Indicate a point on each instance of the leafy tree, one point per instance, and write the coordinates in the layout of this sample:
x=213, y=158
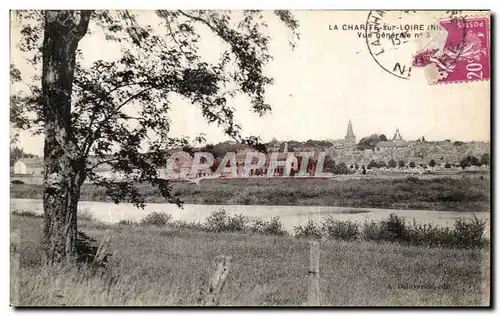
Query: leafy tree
x=382, y=138
x=392, y=163
x=368, y=142
x=469, y=161
x=432, y=163
x=16, y=153
x=401, y=164
x=372, y=164
x=485, y=159
x=447, y=166
x=412, y=164
x=423, y=138
x=117, y=110
x=341, y=168
x=329, y=164
x=381, y=164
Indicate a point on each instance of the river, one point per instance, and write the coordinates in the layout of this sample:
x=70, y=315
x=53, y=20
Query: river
x=289, y=215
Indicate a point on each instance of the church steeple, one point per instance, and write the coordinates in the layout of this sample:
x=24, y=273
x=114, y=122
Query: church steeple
x=397, y=136
x=350, y=137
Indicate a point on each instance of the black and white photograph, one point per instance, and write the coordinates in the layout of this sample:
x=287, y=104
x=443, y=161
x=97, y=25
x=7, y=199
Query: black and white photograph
x=234, y=158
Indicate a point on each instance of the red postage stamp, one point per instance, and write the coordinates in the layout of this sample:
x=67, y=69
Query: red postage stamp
x=464, y=54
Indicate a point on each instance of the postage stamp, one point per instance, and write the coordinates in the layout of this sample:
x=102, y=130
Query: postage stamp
x=464, y=55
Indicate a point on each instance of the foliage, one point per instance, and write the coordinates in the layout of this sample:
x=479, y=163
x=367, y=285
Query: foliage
x=441, y=194
x=372, y=164
x=447, y=166
x=485, y=159
x=159, y=219
x=369, y=142
x=401, y=164
x=341, y=230
x=120, y=108
x=392, y=163
x=309, y=230
x=412, y=164
x=470, y=161
x=16, y=153
x=432, y=163
x=145, y=270
x=272, y=226
x=469, y=233
x=220, y=221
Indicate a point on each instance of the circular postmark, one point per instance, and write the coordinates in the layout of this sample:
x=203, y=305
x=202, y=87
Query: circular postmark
x=397, y=40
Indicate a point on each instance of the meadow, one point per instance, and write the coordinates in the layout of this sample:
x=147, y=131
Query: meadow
x=165, y=265
x=444, y=193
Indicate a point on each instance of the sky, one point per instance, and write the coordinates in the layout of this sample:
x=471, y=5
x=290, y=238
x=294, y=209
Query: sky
x=329, y=78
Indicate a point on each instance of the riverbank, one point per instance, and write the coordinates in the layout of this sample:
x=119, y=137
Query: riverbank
x=470, y=194
x=167, y=266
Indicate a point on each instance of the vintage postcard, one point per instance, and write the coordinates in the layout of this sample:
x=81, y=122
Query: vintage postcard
x=250, y=158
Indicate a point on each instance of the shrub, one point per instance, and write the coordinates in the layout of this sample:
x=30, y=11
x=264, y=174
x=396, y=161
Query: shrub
x=430, y=235
x=371, y=231
x=237, y=223
x=447, y=166
x=159, y=219
x=396, y=227
x=26, y=213
x=469, y=233
x=268, y=227
x=126, y=222
x=392, y=163
x=217, y=221
x=309, y=230
x=220, y=221
x=340, y=230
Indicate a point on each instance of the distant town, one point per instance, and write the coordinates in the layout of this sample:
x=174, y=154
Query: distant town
x=372, y=154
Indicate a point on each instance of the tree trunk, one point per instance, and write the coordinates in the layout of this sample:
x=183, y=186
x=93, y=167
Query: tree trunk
x=62, y=179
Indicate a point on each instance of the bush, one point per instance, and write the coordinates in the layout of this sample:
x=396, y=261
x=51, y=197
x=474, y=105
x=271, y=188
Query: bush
x=469, y=233
x=372, y=231
x=237, y=223
x=26, y=213
x=396, y=227
x=220, y=221
x=159, y=219
x=340, y=230
x=430, y=235
x=309, y=230
x=269, y=227
x=126, y=222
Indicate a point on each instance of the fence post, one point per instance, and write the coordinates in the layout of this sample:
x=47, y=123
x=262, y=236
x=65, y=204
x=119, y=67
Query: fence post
x=216, y=280
x=313, y=289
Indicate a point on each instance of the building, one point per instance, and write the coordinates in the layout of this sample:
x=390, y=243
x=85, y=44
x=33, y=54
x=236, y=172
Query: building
x=32, y=166
x=348, y=142
x=350, y=138
x=396, y=142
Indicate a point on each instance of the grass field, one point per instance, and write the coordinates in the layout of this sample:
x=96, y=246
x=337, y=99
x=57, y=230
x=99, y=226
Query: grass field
x=450, y=194
x=165, y=266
